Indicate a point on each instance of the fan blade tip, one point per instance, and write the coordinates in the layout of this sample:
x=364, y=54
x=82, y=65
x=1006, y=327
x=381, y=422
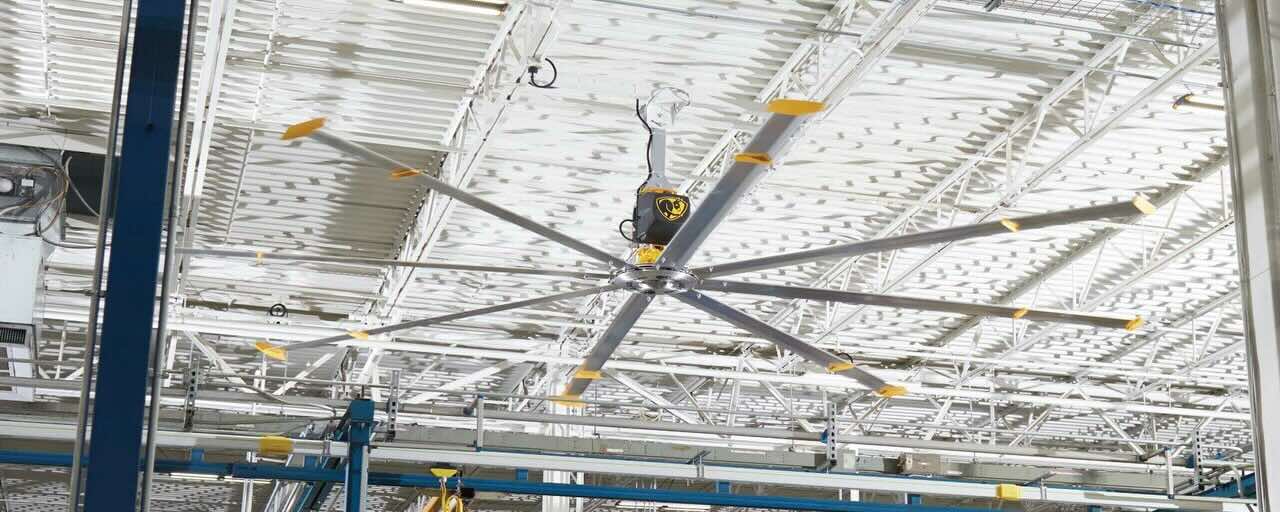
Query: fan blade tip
x=795, y=107
x=569, y=400
x=1011, y=225
x=303, y=129
x=405, y=172
x=586, y=374
x=753, y=158
x=1143, y=205
x=359, y=335
x=1135, y=324
x=891, y=391
x=277, y=352
x=839, y=366
x=1020, y=312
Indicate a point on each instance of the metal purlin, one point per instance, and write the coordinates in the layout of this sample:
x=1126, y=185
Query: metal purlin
x=129, y=311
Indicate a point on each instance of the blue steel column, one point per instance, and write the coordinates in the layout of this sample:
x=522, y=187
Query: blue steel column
x=360, y=421
x=112, y=484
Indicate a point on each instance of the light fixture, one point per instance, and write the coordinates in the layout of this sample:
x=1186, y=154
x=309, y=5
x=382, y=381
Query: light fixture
x=486, y=7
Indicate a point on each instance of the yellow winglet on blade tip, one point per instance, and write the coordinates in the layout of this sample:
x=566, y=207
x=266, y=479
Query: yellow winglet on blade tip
x=753, y=158
x=1021, y=312
x=302, y=129
x=1008, y=492
x=1134, y=324
x=273, y=351
x=1010, y=224
x=891, y=391
x=1143, y=205
x=444, y=472
x=404, y=173
x=275, y=446
x=839, y=366
x=793, y=107
x=585, y=374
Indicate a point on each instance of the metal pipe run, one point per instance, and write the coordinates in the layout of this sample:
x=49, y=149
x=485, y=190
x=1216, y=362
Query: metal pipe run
x=382, y=262
x=106, y=211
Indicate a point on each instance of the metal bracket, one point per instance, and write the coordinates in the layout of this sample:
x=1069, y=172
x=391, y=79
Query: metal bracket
x=393, y=404
x=192, y=383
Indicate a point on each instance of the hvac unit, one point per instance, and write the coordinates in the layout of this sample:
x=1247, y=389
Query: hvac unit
x=30, y=202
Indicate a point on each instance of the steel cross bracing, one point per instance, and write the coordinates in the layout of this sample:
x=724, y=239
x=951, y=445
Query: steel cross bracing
x=529, y=32
x=1135, y=103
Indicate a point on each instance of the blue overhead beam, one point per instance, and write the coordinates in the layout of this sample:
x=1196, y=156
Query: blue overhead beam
x=1232, y=489
x=135, y=253
x=315, y=493
x=331, y=476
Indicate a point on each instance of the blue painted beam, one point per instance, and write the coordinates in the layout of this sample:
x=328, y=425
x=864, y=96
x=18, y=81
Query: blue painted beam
x=279, y=472
x=1232, y=489
x=359, y=420
x=112, y=484
x=315, y=494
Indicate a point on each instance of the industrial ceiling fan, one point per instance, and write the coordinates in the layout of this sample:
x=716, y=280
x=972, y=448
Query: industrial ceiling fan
x=669, y=232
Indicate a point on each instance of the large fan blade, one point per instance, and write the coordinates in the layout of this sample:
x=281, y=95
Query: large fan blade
x=379, y=262
x=281, y=351
x=1123, y=209
x=315, y=129
x=747, y=170
x=872, y=299
x=831, y=362
x=626, y=317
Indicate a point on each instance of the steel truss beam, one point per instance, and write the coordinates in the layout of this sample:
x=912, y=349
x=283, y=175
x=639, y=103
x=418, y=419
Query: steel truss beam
x=529, y=31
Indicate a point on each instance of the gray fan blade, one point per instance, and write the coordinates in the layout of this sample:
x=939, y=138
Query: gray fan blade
x=749, y=168
x=381, y=262
x=589, y=371
x=831, y=362
x=1122, y=209
x=443, y=318
x=872, y=299
x=314, y=130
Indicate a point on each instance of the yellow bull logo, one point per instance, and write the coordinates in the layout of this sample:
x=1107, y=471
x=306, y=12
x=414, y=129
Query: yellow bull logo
x=672, y=207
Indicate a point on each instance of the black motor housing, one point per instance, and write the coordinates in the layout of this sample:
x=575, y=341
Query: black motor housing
x=658, y=216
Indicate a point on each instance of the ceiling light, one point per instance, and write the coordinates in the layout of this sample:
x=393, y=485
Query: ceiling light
x=491, y=8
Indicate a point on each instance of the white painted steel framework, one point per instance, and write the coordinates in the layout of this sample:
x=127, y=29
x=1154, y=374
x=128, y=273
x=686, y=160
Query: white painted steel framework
x=940, y=113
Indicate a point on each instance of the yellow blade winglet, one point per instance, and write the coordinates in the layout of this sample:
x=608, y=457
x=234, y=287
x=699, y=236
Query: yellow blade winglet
x=444, y=472
x=1010, y=224
x=753, y=158
x=1134, y=324
x=585, y=374
x=890, y=391
x=1021, y=312
x=302, y=129
x=360, y=335
x=572, y=401
x=273, y=351
x=839, y=366
x=792, y=107
x=1143, y=205
x=1008, y=492
x=404, y=173
x=275, y=446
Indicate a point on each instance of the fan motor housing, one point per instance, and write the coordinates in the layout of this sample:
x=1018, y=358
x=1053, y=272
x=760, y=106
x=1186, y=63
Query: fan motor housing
x=659, y=215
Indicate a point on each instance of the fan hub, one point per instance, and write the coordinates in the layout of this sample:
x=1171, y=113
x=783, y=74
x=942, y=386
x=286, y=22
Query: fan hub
x=653, y=280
